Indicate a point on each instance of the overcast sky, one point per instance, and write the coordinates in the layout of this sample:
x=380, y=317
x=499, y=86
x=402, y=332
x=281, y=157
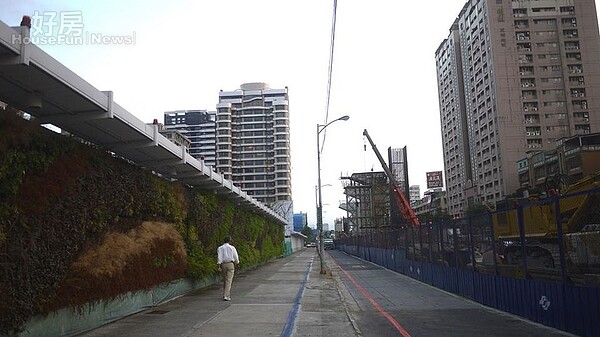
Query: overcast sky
x=184, y=52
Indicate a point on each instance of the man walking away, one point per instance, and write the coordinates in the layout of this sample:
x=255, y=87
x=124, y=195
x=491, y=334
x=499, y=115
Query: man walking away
x=227, y=258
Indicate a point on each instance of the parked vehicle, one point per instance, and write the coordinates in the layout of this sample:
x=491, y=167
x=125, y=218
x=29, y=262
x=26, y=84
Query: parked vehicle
x=328, y=244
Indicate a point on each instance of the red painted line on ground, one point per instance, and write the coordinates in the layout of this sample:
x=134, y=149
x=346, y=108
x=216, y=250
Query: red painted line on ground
x=385, y=314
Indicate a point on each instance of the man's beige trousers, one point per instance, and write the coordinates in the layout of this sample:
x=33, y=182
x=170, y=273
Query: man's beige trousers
x=228, y=270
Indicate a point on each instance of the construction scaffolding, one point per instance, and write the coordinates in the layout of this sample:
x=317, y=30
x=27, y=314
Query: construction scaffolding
x=367, y=202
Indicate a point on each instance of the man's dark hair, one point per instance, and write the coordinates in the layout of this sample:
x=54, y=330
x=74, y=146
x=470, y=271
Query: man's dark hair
x=227, y=239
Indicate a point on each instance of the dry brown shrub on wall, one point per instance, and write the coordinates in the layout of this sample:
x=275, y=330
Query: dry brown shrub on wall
x=143, y=257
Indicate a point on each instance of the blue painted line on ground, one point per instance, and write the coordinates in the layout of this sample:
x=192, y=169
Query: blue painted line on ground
x=288, y=329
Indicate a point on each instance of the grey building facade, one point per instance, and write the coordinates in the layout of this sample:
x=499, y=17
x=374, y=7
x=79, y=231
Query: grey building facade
x=414, y=194
x=199, y=127
x=513, y=76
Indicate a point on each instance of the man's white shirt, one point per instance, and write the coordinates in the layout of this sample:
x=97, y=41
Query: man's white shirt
x=227, y=253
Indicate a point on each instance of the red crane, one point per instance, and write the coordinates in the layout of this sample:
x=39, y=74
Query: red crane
x=401, y=200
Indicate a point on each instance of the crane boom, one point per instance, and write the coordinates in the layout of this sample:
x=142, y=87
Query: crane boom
x=401, y=200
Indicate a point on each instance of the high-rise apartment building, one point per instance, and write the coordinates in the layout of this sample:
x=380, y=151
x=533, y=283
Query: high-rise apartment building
x=398, y=163
x=253, y=143
x=398, y=159
x=513, y=76
x=414, y=192
x=199, y=127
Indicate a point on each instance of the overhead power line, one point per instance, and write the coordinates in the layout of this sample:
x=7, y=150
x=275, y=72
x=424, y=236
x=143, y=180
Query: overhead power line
x=330, y=70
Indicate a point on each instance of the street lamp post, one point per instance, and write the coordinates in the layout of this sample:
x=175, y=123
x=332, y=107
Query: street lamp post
x=320, y=200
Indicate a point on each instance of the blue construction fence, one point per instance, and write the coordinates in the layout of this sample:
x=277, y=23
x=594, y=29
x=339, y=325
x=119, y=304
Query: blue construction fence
x=538, y=259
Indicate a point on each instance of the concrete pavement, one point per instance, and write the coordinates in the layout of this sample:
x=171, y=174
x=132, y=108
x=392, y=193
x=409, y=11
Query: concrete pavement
x=386, y=303
x=289, y=297
x=286, y=297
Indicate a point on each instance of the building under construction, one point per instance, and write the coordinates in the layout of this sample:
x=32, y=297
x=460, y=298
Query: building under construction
x=367, y=202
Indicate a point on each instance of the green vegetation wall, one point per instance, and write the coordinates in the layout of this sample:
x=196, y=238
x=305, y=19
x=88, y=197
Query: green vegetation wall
x=78, y=225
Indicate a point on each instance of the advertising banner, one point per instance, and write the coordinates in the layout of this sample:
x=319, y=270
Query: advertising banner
x=434, y=179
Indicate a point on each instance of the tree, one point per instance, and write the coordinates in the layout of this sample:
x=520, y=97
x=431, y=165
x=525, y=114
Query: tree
x=308, y=232
x=440, y=215
x=476, y=209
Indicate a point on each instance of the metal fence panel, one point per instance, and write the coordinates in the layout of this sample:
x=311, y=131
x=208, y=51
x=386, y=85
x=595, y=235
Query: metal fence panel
x=510, y=293
x=400, y=260
x=438, y=276
x=544, y=303
x=465, y=283
x=378, y=256
x=427, y=271
x=485, y=289
x=582, y=309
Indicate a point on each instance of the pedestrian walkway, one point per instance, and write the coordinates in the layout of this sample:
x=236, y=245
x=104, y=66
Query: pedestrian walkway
x=289, y=297
x=286, y=297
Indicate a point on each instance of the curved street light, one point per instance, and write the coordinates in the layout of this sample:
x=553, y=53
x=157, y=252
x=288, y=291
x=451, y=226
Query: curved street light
x=320, y=200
